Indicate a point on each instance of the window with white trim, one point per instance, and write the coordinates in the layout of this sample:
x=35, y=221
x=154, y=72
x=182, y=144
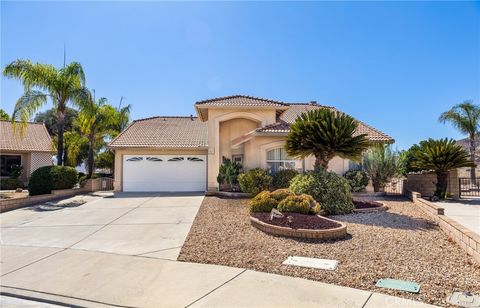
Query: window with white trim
x=277, y=160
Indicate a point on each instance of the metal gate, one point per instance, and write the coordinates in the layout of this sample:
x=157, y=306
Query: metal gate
x=469, y=187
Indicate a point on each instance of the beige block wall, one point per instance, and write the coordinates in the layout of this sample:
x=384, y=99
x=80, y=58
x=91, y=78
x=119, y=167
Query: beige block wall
x=119, y=153
x=424, y=183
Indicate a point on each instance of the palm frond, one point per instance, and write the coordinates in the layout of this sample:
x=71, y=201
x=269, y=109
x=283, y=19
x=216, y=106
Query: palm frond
x=440, y=155
x=326, y=133
x=465, y=117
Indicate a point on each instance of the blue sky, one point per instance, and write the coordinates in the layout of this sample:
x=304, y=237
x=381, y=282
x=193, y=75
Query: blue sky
x=394, y=65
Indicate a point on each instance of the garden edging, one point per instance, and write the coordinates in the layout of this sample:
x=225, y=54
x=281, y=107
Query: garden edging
x=326, y=234
x=468, y=240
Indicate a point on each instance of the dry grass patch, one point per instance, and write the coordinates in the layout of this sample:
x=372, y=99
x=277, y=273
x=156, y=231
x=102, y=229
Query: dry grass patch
x=400, y=243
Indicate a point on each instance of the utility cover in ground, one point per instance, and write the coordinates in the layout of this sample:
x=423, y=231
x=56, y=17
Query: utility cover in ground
x=311, y=262
x=402, y=285
x=464, y=299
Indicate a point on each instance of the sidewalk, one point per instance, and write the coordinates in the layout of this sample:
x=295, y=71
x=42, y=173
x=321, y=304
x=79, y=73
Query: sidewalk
x=86, y=278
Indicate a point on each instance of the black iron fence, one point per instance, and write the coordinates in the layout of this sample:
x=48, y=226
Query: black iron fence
x=469, y=187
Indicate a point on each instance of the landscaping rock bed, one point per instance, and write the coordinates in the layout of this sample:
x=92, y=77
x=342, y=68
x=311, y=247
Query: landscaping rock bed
x=302, y=226
x=300, y=221
x=367, y=206
x=401, y=243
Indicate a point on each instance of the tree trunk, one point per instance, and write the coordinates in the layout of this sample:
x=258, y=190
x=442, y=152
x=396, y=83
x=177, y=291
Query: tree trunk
x=472, y=156
x=442, y=182
x=378, y=186
x=60, y=126
x=91, y=140
x=321, y=161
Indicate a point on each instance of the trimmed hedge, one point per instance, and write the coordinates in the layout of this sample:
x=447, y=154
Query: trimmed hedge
x=254, y=181
x=262, y=202
x=327, y=188
x=45, y=179
x=10, y=184
x=282, y=178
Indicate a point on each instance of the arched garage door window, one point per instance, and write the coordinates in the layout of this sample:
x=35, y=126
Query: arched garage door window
x=277, y=159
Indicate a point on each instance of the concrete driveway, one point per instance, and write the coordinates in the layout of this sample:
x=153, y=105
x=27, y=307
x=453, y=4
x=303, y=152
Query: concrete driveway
x=465, y=211
x=121, y=252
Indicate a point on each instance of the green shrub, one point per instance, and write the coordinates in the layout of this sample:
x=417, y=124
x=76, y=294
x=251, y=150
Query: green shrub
x=296, y=204
x=282, y=178
x=281, y=194
x=44, y=179
x=228, y=172
x=10, y=184
x=327, y=188
x=262, y=202
x=63, y=177
x=357, y=179
x=254, y=181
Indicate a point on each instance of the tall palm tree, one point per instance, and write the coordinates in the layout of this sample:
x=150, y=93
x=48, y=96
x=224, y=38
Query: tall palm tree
x=325, y=134
x=43, y=81
x=466, y=118
x=441, y=156
x=123, y=116
x=95, y=120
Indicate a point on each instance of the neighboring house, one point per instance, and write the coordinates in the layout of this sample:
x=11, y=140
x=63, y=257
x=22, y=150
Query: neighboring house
x=184, y=153
x=30, y=148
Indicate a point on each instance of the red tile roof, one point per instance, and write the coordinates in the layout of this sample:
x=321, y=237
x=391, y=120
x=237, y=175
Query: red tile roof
x=33, y=138
x=163, y=132
x=290, y=115
x=191, y=132
x=241, y=101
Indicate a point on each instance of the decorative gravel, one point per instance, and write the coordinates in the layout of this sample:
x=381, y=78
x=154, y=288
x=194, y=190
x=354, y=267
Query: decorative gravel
x=400, y=243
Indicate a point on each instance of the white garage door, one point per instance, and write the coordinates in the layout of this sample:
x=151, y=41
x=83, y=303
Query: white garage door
x=164, y=172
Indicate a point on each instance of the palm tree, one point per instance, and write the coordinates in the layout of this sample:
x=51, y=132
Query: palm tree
x=466, y=118
x=123, y=116
x=440, y=156
x=42, y=81
x=381, y=164
x=325, y=134
x=95, y=120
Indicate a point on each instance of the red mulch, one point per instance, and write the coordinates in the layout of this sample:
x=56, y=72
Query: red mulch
x=365, y=204
x=300, y=221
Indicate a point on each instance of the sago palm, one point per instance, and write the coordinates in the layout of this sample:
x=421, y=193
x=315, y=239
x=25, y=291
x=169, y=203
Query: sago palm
x=440, y=156
x=325, y=133
x=466, y=118
x=43, y=81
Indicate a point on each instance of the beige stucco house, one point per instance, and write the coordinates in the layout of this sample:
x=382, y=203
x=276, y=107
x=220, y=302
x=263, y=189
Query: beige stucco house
x=184, y=153
x=31, y=148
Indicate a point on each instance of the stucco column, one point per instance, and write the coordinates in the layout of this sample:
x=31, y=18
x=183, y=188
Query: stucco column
x=213, y=154
x=117, y=181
